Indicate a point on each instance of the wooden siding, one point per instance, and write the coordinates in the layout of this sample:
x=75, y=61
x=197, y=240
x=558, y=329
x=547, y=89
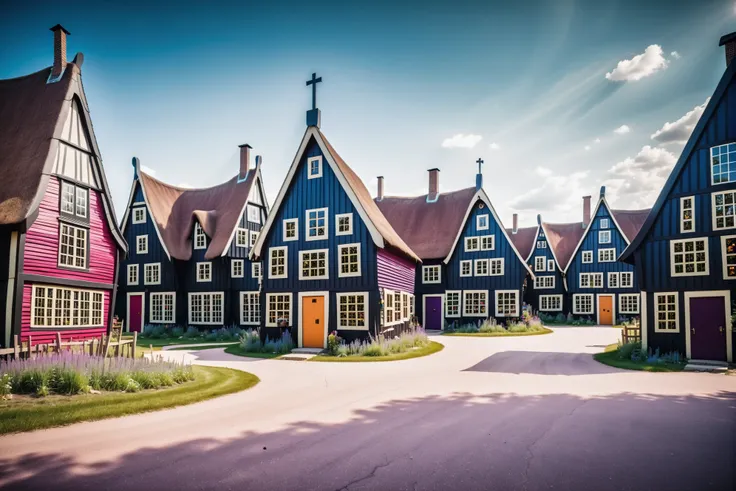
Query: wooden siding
x=42, y=241
x=531, y=294
x=421, y=288
x=395, y=272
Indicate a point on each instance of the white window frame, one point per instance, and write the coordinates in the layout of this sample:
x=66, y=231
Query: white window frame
x=622, y=297
x=139, y=219
x=85, y=312
x=605, y=223
x=724, y=256
x=540, y=263
x=295, y=222
x=685, y=273
x=550, y=264
x=459, y=298
x=256, y=270
x=212, y=296
x=478, y=267
x=591, y=280
x=366, y=306
x=271, y=252
x=431, y=267
x=253, y=234
x=626, y=279
x=199, y=234
x=544, y=282
x=254, y=213
x=557, y=299
x=326, y=225
x=587, y=257
x=73, y=251
x=141, y=240
x=133, y=268
x=479, y=222
x=325, y=276
x=710, y=166
x=160, y=319
x=202, y=268
x=691, y=220
x=714, y=218
x=465, y=303
x=241, y=237
x=152, y=267
x=317, y=174
x=516, y=312
x=288, y=295
x=616, y=283
x=610, y=252
x=340, y=248
x=676, y=320
x=253, y=318
x=541, y=244
x=575, y=309
x=604, y=237
x=466, y=263
x=349, y=216
x=472, y=240
x=496, y=263
x=484, y=245
x=233, y=265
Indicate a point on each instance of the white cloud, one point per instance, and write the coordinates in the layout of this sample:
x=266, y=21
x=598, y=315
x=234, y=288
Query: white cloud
x=640, y=66
x=597, y=140
x=636, y=182
x=680, y=130
x=587, y=147
x=148, y=170
x=622, y=130
x=675, y=55
x=556, y=193
x=543, y=171
x=495, y=146
x=462, y=141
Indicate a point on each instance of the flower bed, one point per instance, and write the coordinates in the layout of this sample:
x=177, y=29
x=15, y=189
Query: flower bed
x=250, y=344
x=630, y=356
x=527, y=326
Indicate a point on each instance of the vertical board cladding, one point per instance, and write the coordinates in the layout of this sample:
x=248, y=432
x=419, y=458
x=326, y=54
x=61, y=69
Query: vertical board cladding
x=421, y=288
x=395, y=272
x=307, y=194
x=514, y=271
x=42, y=241
x=45, y=336
x=541, y=248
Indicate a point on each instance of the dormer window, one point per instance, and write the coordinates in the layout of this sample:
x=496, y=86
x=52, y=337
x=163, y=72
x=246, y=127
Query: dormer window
x=200, y=239
x=314, y=167
x=74, y=201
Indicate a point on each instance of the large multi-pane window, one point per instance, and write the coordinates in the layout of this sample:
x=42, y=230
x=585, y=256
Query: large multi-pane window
x=540, y=263
x=591, y=280
x=250, y=308
x=452, y=303
x=487, y=242
x=74, y=201
x=495, y=267
x=313, y=265
x=544, y=282
x=349, y=259
x=724, y=210
x=627, y=279
x=317, y=224
x=475, y=303
x=152, y=274
x=206, y=308
x=431, y=274
x=582, y=304
x=58, y=307
x=728, y=249
x=204, y=272
x=132, y=274
x=507, y=303
x=628, y=303
x=606, y=255
x=278, y=307
x=162, y=308
x=665, y=312
x=481, y=267
x=72, y=246
x=550, y=303
x=689, y=257
x=472, y=244
x=352, y=311
x=277, y=264
x=723, y=163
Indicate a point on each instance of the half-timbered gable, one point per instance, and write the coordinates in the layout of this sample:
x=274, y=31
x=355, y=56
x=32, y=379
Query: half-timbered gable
x=685, y=253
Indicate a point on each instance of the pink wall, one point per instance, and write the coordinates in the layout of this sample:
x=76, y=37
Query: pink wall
x=394, y=272
x=42, y=241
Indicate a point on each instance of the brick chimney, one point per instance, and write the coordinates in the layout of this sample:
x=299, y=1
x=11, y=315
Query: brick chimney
x=379, y=190
x=434, y=185
x=60, y=35
x=729, y=40
x=586, y=211
x=244, y=161
x=515, y=223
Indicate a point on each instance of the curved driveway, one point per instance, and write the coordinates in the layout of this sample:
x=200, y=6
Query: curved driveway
x=526, y=413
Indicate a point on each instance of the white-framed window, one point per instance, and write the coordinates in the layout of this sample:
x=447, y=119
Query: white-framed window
x=81, y=202
x=613, y=280
x=405, y=306
x=591, y=280
x=628, y=303
x=278, y=308
x=344, y=223
x=723, y=163
x=204, y=272
x=72, y=246
x=254, y=214
x=141, y=242
x=278, y=262
x=314, y=264
x=587, y=257
x=163, y=308
x=582, y=303
x=431, y=274
x=481, y=267
x=388, y=307
x=472, y=244
x=291, y=229
x=495, y=267
x=607, y=255
x=487, y=242
x=314, y=167
x=550, y=303
x=544, y=282
x=139, y=214
x=604, y=237
x=67, y=198
x=152, y=274
x=241, y=237
x=627, y=279
x=728, y=256
x=250, y=308
x=132, y=274
x=550, y=264
x=74, y=200
x=507, y=303
x=475, y=303
x=466, y=267
x=452, y=303
x=200, y=239
x=540, y=263
x=724, y=208
x=687, y=214
x=317, y=223
x=58, y=307
x=206, y=308
x=348, y=256
x=255, y=270
x=352, y=311
x=689, y=257
x=397, y=307
x=541, y=244
x=604, y=223
x=666, y=313
x=236, y=268
x=481, y=222
x=253, y=237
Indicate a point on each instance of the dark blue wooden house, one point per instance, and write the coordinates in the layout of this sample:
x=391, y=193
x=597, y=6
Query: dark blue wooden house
x=685, y=254
x=188, y=263
x=331, y=260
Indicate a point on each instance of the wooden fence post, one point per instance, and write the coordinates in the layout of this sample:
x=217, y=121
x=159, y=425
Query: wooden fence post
x=135, y=342
x=58, y=342
x=107, y=346
x=30, y=344
x=15, y=347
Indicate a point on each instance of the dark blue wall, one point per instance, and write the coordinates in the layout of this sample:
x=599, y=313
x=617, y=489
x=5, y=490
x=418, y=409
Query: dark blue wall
x=533, y=294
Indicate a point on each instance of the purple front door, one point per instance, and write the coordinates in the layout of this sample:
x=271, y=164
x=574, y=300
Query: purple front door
x=433, y=313
x=708, y=328
x=135, y=313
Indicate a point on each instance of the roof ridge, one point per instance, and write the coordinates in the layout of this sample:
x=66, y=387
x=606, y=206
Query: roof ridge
x=179, y=188
x=427, y=194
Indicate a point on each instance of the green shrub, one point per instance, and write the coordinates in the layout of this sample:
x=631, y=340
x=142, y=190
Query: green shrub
x=159, y=332
x=373, y=349
x=211, y=336
x=333, y=343
x=626, y=350
x=250, y=341
x=490, y=325
x=177, y=332
x=6, y=386
x=192, y=332
x=69, y=381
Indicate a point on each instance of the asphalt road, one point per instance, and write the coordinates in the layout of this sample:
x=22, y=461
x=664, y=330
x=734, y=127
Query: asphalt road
x=531, y=413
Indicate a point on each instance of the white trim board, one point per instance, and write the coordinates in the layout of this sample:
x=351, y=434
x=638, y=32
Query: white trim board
x=300, y=326
x=726, y=294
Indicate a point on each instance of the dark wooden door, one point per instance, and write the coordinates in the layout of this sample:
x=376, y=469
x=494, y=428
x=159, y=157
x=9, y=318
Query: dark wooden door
x=708, y=328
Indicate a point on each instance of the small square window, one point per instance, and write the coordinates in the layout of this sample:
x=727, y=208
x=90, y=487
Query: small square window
x=139, y=215
x=604, y=237
x=431, y=274
x=314, y=167
x=241, y=238
x=255, y=270
x=481, y=222
x=604, y=223
x=466, y=268
x=587, y=257
x=291, y=229
x=204, y=272
x=487, y=242
x=344, y=224
x=236, y=268
x=472, y=244
x=316, y=226
x=141, y=244
x=253, y=237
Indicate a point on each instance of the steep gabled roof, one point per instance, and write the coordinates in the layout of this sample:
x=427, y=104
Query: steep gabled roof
x=423, y=225
x=563, y=239
x=524, y=240
x=630, y=221
x=380, y=229
x=217, y=209
x=723, y=84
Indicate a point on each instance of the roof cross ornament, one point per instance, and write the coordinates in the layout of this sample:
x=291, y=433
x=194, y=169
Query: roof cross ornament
x=313, y=82
x=480, y=164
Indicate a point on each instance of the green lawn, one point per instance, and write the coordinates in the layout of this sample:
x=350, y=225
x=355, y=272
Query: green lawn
x=610, y=357
x=499, y=334
x=26, y=413
x=238, y=351
x=160, y=343
x=432, y=347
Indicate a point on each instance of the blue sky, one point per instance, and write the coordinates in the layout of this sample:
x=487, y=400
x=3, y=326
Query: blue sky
x=534, y=88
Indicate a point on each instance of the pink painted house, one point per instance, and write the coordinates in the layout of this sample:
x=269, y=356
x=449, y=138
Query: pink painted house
x=59, y=242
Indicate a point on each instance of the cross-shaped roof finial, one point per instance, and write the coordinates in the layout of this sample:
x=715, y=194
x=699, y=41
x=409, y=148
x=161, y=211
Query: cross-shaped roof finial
x=313, y=82
x=480, y=163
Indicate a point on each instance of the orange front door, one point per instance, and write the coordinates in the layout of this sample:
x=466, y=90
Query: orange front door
x=605, y=310
x=313, y=322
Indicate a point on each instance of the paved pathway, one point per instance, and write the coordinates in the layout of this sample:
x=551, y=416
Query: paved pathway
x=528, y=413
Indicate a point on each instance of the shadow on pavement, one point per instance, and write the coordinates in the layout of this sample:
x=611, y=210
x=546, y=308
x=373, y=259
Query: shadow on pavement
x=542, y=363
